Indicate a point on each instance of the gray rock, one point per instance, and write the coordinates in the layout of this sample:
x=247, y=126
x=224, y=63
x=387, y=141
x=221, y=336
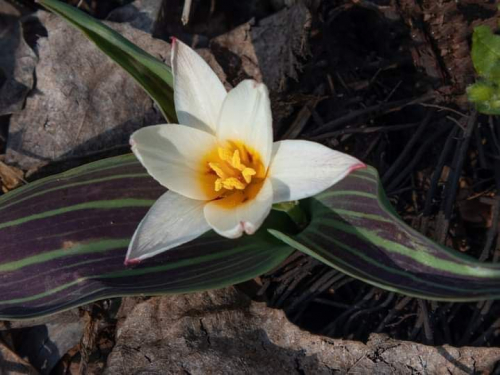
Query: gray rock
x=83, y=101
x=224, y=332
x=141, y=14
x=269, y=51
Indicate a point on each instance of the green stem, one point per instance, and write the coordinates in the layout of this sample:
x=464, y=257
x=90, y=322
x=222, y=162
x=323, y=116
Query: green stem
x=294, y=211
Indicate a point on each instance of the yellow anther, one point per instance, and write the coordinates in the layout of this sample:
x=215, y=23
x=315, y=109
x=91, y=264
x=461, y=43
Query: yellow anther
x=225, y=154
x=236, y=161
x=218, y=184
x=233, y=183
x=247, y=174
x=218, y=170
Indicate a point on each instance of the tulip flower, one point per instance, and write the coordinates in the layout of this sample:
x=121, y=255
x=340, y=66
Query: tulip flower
x=220, y=165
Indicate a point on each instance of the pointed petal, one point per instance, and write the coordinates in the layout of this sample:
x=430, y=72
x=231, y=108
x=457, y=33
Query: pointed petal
x=301, y=169
x=173, y=155
x=198, y=92
x=246, y=116
x=247, y=217
x=172, y=221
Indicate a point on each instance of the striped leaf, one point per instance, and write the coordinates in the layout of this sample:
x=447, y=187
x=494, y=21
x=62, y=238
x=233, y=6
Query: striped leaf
x=152, y=74
x=64, y=240
x=354, y=229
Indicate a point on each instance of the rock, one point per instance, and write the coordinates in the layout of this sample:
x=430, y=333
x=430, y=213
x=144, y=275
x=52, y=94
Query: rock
x=224, y=332
x=141, y=14
x=83, y=101
x=261, y=51
x=17, y=61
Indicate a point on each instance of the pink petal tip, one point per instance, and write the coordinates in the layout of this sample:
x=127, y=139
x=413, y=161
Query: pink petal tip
x=131, y=262
x=357, y=166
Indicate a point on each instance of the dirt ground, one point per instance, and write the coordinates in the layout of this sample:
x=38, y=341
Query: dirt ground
x=383, y=80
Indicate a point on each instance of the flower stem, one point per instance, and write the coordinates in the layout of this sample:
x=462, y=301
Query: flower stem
x=294, y=211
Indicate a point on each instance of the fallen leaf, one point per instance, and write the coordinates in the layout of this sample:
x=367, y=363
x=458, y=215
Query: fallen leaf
x=10, y=177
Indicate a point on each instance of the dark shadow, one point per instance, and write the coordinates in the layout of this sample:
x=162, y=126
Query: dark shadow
x=110, y=143
x=259, y=351
x=133, y=16
x=11, y=91
x=35, y=345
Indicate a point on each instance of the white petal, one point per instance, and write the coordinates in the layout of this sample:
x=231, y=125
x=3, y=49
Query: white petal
x=300, y=169
x=172, y=221
x=173, y=155
x=247, y=217
x=198, y=92
x=246, y=116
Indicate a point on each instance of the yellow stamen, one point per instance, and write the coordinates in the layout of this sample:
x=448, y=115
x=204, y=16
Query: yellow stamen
x=218, y=170
x=234, y=170
x=233, y=183
x=218, y=184
x=224, y=153
x=247, y=174
x=236, y=161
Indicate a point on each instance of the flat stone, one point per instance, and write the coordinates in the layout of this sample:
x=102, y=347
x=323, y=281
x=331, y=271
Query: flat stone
x=265, y=51
x=224, y=332
x=83, y=101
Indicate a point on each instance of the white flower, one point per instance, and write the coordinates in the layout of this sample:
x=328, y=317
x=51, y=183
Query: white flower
x=221, y=167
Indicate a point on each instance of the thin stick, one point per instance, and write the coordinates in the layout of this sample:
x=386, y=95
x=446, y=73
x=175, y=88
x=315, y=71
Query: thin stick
x=185, y=12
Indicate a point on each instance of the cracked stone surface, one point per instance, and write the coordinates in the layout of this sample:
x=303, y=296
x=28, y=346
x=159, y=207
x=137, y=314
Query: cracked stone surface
x=224, y=332
x=83, y=102
x=258, y=51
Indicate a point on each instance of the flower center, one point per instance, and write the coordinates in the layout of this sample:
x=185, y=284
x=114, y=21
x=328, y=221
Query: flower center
x=236, y=171
x=232, y=173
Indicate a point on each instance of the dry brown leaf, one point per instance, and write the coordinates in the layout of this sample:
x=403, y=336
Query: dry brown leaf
x=10, y=177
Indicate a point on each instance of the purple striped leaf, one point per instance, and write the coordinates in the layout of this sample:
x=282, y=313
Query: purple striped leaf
x=354, y=229
x=64, y=240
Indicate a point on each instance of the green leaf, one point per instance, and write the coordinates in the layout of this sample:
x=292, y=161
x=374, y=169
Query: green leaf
x=354, y=229
x=64, y=241
x=153, y=75
x=486, y=53
x=486, y=96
